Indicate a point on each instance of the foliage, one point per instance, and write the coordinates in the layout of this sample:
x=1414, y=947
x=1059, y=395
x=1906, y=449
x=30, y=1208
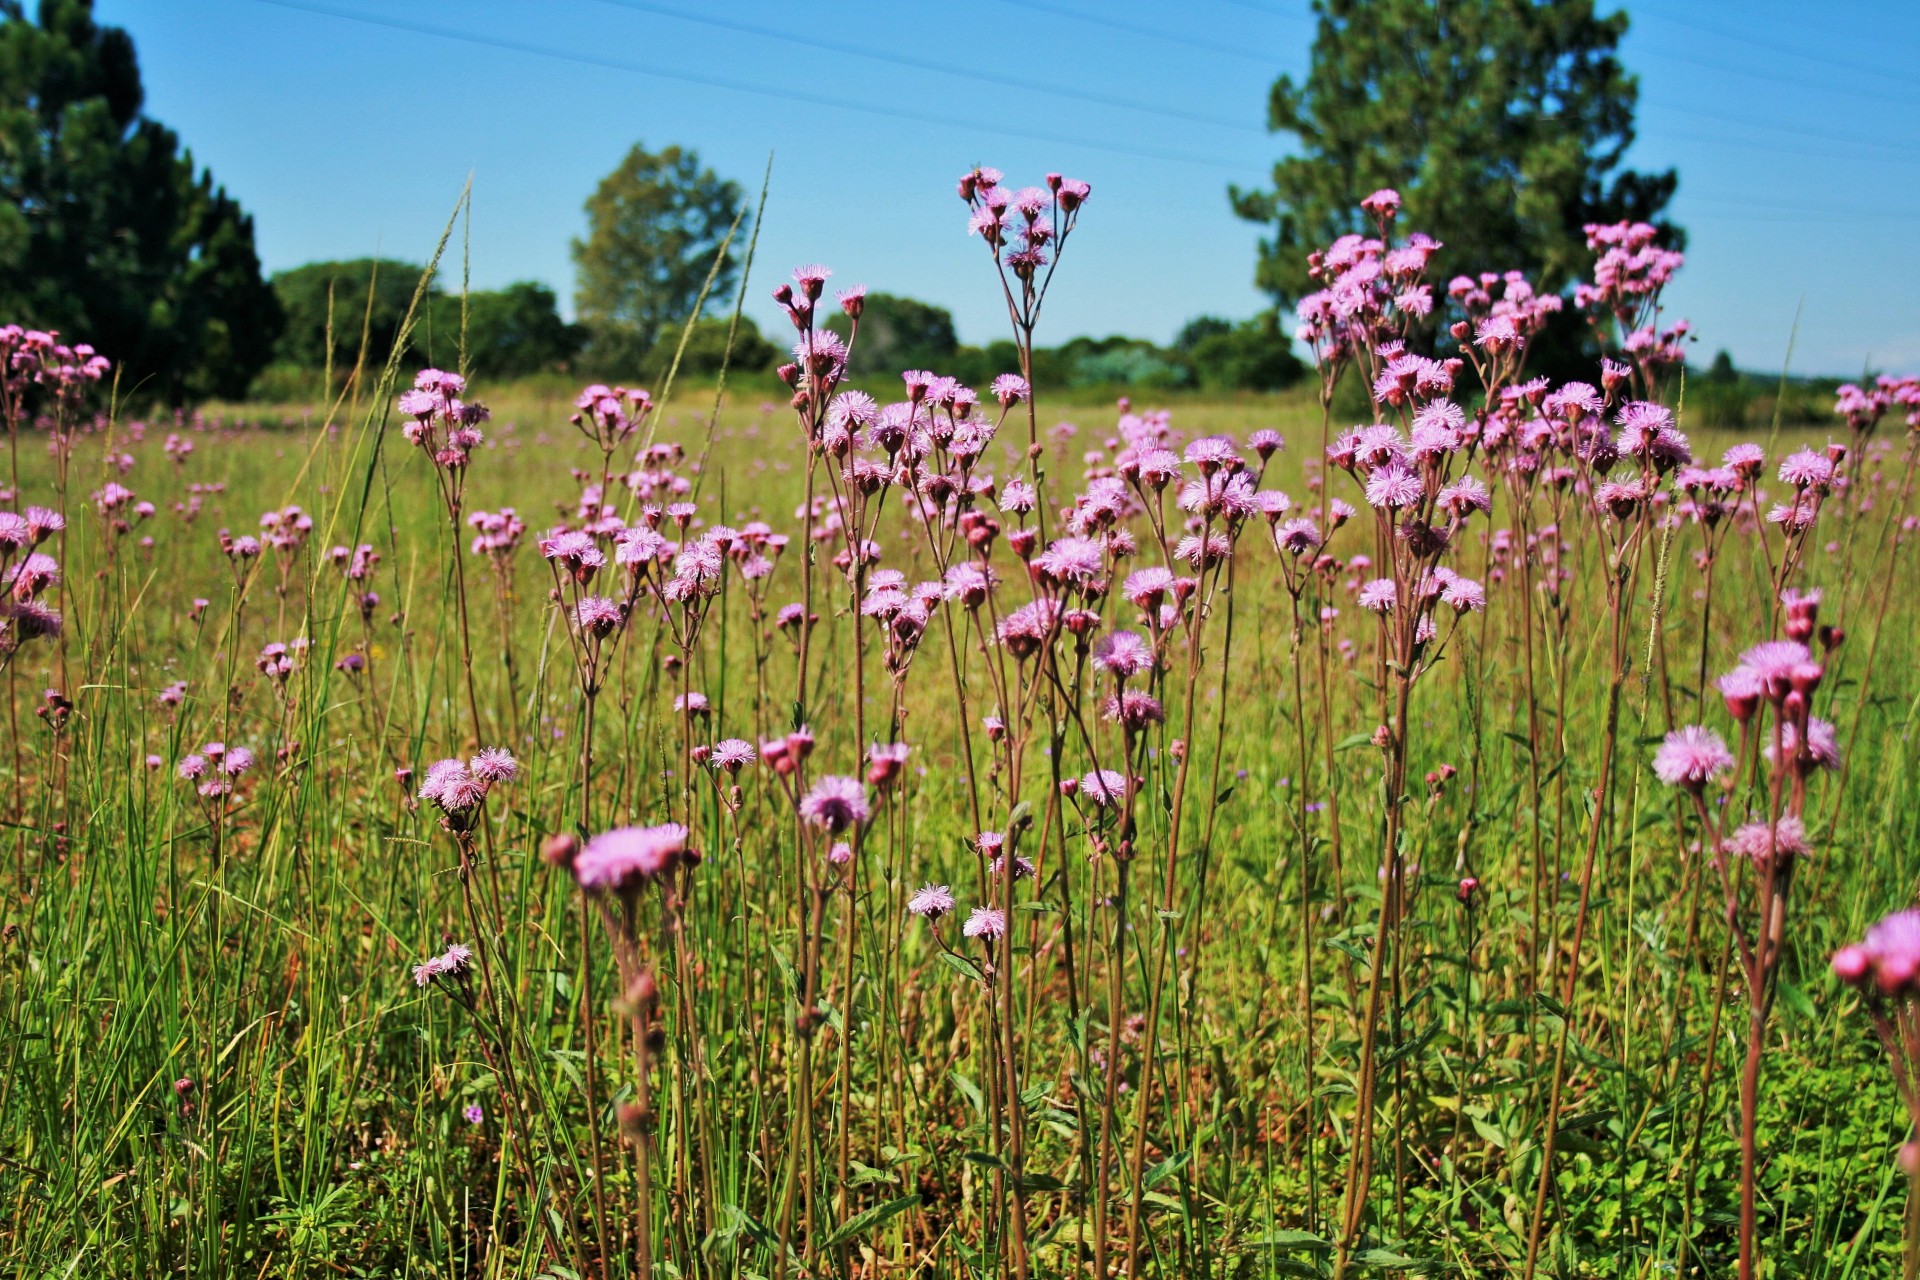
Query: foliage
x=510, y=332
x=654, y=227
x=1253, y=355
x=106, y=229
x=899, y=333
x=1502, y=123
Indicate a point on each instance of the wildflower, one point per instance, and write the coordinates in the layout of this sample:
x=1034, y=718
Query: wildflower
x=931, y=901
x=1691, y=757
x=836, y=803
x=1104, y=787
x=731, y=754
x=1134, y=709
x=985, y=922
x=450, y=786
x=1010, y=389
x=1806, y=470
x=884, y=762
x=494, y=764
x=452, y=963
x=1761, y=842
x=474, y=1113
x=1378, y=596
x=1889, y=956
x=1393, y=487
x=622, y=859
x=1123, y=655
x=1464, y=594
x=597, y=616
x=1822, y=750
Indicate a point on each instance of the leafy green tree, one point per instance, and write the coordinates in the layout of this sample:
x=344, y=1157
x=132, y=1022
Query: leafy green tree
x=1254, y=355
x=707, y=351
x=897, y=334
x=366, y=292
x=654, y=227
x=510, y=332
x=107, y=233
x=1198, y=330
x=1502, y=123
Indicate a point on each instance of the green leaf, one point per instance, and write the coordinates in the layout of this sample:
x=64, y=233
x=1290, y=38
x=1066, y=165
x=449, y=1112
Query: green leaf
x=1384, y=1258
x=867, y=1219
x=1167, y=1168
x=962, y=966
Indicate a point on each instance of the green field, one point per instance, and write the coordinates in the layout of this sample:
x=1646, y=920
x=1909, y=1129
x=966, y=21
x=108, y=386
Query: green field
x=942, y=1112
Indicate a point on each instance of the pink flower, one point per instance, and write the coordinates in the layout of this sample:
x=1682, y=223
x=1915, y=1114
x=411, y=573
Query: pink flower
x=836, y=803
x=931, y=901
x=985, y=922
x=1760, y=842
x=731, y=754
x=452, y=963
x=1123, y=655
x=1104, y=787
x=494, y=764
x=1691, y=757
x=1889, y=955
x=450, y=786
x=622, y=859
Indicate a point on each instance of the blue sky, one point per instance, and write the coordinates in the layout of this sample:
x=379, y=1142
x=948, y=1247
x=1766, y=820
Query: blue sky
x=1796, y=131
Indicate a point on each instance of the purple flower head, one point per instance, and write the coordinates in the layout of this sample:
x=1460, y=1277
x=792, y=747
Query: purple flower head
x=731, y=754
x=1822, y=747
x=1691, y=757
x=1889, y=956
x=1123, y=655
x=1378, y=596
x=452, y=963
x=836, y=803
x=623, y=859
x=494, y=764
x=931, y=901
x=985, y=922
x=451, y=787
x=1104, y=787
x=1761, y=843
x=1393, y=487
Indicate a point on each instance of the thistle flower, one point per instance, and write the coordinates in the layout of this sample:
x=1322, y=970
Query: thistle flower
x=452, y=787
x=1761, y=843
x=1888, y=957
x=1123, y=655
x=1691, y=757
x=494, y=764
x=985, y=922
x=1104, y=787
x=836, y=803
x=452, y=963
x=623, y=859
x=1822, y=746
x=931, y=901
x=731, y=754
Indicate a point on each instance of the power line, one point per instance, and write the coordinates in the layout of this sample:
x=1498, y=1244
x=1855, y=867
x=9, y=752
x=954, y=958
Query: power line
x=1150, y=33
x=1790, y=51
x=743, y=86
x=939, y=68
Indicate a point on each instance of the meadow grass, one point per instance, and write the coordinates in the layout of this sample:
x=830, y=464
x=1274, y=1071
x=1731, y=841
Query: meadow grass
x=215, y=1059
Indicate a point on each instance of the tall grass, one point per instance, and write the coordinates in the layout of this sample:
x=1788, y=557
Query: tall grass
x=1335, y=944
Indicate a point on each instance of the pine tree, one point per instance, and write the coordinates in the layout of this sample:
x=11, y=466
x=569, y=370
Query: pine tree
x=1503, y=124
x=107, y=232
